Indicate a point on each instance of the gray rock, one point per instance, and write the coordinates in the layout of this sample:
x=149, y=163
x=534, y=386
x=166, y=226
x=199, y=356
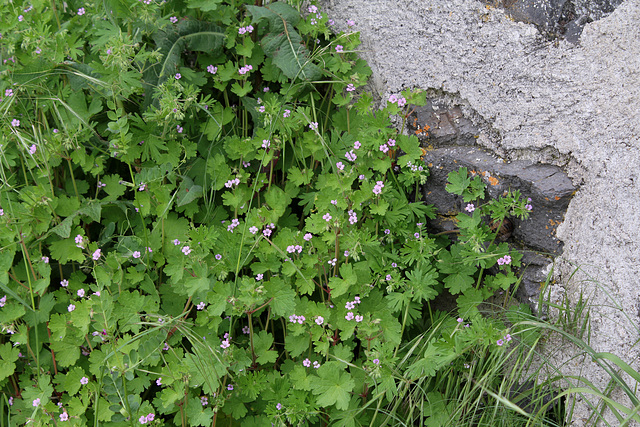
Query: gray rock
x=557, y=18
x=548, y=187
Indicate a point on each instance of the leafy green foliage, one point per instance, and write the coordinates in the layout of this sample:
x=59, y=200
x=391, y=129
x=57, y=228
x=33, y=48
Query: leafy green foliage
x=191, y=236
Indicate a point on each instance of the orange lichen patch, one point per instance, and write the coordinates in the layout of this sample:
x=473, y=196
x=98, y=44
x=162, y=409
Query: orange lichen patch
x=430, y=165
x=554, y=223
x=422, y=130
x=557, y=198
x=493, y=180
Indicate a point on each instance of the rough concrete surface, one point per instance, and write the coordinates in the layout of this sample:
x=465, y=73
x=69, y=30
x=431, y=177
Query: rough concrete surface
x=576, y=106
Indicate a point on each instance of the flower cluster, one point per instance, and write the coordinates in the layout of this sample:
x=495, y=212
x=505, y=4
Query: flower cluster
x=307, y=363
x=232, y=182
x=350, y=306
x=268, y=230
x=294, y=248
x=147, y=419
x=332, y=262
x=505, y=260
x=297, y=319
x=244, y=70
x=400, y=100
x=377, y=189
x=3, y=301
x=528, y=205
x=234, y=223
x=225, y=342
x=353, y=217
x=212, y=69
x=504, y=339
x=414, y=168
x=245, y=30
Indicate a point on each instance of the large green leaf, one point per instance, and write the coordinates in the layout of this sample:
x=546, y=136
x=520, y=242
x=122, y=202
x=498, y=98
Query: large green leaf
x=282, y=43
x=192, y=35
x=332, y=385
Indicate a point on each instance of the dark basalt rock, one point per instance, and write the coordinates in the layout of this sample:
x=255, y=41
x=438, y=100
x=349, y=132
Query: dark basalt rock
x=548, y=187
x=557, y=18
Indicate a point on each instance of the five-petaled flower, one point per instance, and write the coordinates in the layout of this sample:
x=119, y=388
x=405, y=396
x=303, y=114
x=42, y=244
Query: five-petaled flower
x=84, y=380
x=339, y=48
x=470, y=207
x=186, y=250
x=15, y=123
x=505, y=260
x=319, y=320
x=173, y=19
x=81, y=11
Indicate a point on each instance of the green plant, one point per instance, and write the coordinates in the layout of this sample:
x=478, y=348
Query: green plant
x=204, y=221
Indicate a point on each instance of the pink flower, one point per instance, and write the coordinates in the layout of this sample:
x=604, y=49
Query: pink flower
x=96, y=254
x=64, y=416
x=81, y=11
x=308, y=236
x=339, y=49
x=349, y=315
x=173, y=19
x=178, y=76
x=319, y=320
x=186, y=250
x=306, y=363
x=36, y=402
x=327, y=217
x=212, y=69
x=340, y=165
x=71, y=308
x=384, y=148
x=470, y=207
x=313, y=125
x=136, y=254
x=201, y=306
x=84, y=380
x=350, y=87
x=15, y=123
x=81, y=293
